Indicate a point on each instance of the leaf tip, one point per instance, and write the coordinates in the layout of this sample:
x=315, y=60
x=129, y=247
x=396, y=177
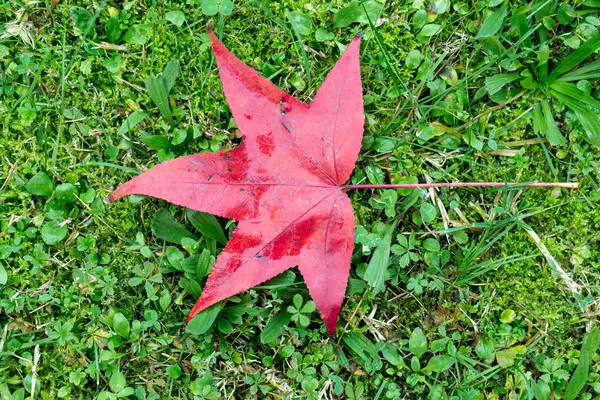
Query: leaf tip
x=194, y=311
x=330, y=325
x=213, y=38
x=190, y=316
x=115, y=195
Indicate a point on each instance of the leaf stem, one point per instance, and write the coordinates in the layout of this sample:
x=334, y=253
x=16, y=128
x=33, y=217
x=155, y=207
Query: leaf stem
x=567, y=185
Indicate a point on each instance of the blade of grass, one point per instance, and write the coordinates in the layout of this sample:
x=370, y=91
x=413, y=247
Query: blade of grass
x=575, y=58
x=547, y=156
x=160, y=97
x=493, y=23
x=170, y=73
x=484, y=267
x=304, y=56
x=519, y=20
x=109, y=165
x=553, y=133
x=375, y=272
x=131, y=121
x=570, y=283
x=490, y=236
x=390, y=63
x=61, y=123
x=589, y=71
x=591, y=341
x=569, y=89
x=589, y=119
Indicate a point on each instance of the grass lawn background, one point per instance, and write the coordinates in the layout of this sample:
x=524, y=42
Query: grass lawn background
x=93, y=296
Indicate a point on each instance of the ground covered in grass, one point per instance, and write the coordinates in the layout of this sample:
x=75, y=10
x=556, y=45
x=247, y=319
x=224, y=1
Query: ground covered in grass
x=488, y=293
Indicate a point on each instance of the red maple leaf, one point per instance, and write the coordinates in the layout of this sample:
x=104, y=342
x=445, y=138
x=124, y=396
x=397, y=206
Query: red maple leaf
x=283, y=184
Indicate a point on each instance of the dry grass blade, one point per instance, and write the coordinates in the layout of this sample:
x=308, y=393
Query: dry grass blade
x=573, y=286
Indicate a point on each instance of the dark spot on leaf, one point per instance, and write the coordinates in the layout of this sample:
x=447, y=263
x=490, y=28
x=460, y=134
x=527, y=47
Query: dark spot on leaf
x=266, y=144
x=293, y=240
x=234, y=263
x=242, y=241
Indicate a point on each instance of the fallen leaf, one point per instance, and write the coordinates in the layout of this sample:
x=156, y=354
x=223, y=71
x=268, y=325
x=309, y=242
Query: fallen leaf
x=283, y=185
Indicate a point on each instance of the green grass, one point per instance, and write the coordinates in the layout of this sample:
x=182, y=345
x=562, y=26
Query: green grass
x=93, y=297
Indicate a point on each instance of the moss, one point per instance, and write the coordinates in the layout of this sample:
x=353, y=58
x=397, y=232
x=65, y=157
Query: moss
x=65, y=286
